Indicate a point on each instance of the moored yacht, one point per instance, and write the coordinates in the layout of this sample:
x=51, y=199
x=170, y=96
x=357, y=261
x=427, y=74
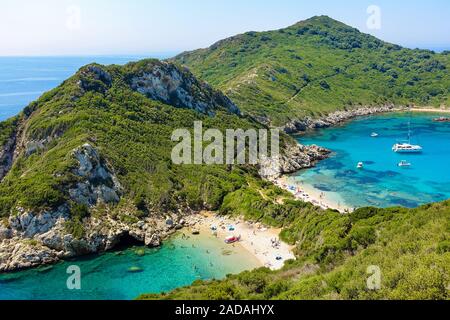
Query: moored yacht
x=406, y=148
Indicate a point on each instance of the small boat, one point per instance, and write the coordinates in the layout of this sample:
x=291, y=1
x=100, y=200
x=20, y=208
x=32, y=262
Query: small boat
x=232, y=239
x=404, y=163
x=360, y=165
x=374, y=135
x=135, y=269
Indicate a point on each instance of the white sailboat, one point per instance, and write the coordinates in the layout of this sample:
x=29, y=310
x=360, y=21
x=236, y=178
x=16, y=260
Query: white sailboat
x=407, y=147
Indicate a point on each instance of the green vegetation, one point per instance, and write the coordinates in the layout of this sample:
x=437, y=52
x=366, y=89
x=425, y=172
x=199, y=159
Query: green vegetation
x=317, y=66
x=334, y=251
x=311, y=68
x=132, y=134
x=7, y=129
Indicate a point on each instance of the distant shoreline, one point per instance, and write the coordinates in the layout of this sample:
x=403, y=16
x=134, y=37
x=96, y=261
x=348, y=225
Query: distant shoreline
x=430, y=110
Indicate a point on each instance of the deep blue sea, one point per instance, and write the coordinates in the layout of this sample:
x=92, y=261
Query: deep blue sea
x=382, y=182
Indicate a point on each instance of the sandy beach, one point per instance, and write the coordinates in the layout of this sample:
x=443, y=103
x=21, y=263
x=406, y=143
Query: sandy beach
x=260, y=241
x=430, y=109
x=307, y=193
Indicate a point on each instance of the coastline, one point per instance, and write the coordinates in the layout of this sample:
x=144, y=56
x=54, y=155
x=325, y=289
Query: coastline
x=307, y=193
x=260, y=241
x=430, y=110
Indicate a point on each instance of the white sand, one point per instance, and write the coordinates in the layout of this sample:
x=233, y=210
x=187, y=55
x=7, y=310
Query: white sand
x=255, y=238
x=310, y=194
x=431, y=109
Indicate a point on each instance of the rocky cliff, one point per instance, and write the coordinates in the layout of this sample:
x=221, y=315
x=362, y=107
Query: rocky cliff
x=84, y=168
x=87, y=166
x=178, y=87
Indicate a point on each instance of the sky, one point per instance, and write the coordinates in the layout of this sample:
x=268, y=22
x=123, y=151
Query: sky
x=139, y=27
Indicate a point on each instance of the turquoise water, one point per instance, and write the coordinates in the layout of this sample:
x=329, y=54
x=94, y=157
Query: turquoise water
x=382, y=183
x=24, y=79
x=177, y=263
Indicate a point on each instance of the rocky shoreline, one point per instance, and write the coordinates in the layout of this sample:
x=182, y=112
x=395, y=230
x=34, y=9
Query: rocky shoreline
x=335, y=118
x=297, y=157
x=33, y=240
x=30, y=239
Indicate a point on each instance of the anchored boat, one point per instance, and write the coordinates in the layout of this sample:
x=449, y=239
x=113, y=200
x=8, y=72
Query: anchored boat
x=404, y=163
x=407, y=147
x=442, y=119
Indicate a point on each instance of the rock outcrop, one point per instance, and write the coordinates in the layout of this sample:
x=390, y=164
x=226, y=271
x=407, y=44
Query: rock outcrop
x=292, y=159
x=94, y=77
x=97, y=182
x=297, y=157
x=33, y=239
x=178, y=87
x=333, y=119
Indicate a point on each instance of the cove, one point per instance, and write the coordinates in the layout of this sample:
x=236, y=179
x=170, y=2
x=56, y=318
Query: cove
x=381, y=183
x=124, y=275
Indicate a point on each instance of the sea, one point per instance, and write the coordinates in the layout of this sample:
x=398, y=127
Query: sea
x=381, y=182
x=125, y=274
x=118, y=275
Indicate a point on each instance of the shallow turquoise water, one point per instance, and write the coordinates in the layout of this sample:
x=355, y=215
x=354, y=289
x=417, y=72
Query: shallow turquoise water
x=382, y=183
x=177, y=263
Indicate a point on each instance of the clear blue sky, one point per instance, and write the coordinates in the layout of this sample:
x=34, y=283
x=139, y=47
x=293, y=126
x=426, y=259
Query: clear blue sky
x=52, y=27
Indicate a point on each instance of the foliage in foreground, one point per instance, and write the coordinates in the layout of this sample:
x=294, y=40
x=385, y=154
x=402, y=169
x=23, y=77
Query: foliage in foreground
x=410, y=246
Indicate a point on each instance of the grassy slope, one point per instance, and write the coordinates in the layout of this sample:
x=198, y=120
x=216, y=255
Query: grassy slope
x=317, y=66
x=411, y=247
